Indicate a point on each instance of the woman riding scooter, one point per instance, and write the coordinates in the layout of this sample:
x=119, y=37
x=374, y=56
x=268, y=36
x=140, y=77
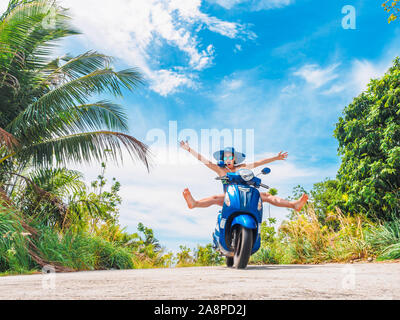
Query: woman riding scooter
x=232, y=162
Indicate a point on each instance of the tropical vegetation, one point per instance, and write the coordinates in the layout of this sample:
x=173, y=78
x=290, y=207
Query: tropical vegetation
x=49, y=118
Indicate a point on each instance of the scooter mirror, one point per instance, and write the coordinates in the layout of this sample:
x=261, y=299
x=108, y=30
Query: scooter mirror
x=266, y=171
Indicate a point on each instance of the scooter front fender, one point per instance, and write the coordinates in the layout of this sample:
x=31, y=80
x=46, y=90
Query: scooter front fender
x=245, y=221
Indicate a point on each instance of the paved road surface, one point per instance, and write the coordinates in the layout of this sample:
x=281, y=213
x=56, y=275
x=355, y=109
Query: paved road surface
x=331, y=281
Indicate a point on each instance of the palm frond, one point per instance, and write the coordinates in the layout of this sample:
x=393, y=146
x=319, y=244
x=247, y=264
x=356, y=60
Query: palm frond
x=102, y=115
x=58, y=181
x=12, y=4
x=10, y=81
x=75, y=67
x=26, y=23
x=23, y=34
x=76, y=92
x=98, y=146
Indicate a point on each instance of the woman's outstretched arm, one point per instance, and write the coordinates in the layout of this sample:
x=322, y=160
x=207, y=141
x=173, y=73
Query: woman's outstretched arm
x=280, y=156
x=198, y=156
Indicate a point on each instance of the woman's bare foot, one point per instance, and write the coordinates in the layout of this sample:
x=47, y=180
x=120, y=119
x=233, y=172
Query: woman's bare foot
x=189, y=199
x=299, y=204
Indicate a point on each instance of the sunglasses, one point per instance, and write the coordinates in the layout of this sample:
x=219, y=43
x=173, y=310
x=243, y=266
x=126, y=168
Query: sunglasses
x=228, y=158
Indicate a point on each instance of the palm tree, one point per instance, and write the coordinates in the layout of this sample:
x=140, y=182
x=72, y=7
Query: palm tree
x=47, y=113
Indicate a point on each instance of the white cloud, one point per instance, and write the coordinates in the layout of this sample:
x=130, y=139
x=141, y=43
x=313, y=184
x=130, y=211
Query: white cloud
x=166, y=81
x=270, y=4
x=254, y=5
x=353, y=77
x=363, y=71
x=227, y=4
x=336, y=88
x=238, y=48
x=140, y=33
x=232, y=85
x=317, y=76
x=357, y=75
x=289, y=89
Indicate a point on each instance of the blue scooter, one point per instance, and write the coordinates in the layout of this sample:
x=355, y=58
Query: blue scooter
x=237, y=233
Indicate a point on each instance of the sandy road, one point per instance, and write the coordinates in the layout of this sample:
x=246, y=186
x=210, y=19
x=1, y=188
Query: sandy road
x=331, y=281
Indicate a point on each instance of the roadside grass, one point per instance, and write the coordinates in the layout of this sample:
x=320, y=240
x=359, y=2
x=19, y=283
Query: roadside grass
x=80, y=251
x=15, y=273
x=199, y=257
x=84, y=251
x=385, y=239
x=14, y=255
x=305, y=239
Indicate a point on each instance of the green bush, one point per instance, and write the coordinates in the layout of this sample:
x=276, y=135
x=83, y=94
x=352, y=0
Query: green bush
x=201, y=256
x=385, y=239
x=110, y=256
x=306, y=239
x=207, y=256
x=14, y=255
x=184, y=258
x=265, y=255
x=83, y=251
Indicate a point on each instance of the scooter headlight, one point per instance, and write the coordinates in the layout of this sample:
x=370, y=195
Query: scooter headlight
x=246, y=175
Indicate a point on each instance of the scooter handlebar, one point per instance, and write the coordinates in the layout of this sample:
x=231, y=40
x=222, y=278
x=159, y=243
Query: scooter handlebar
x=264, y=186
x=227, y=179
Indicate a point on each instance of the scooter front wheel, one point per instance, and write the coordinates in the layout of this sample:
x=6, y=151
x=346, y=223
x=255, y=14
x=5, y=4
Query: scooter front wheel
x=243, y=246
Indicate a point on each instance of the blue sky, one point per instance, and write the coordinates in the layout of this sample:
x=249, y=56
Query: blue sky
x=284, y=68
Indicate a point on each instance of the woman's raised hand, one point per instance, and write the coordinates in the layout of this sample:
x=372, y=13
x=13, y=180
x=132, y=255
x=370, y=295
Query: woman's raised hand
x=282, y=156
x=185, y=145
